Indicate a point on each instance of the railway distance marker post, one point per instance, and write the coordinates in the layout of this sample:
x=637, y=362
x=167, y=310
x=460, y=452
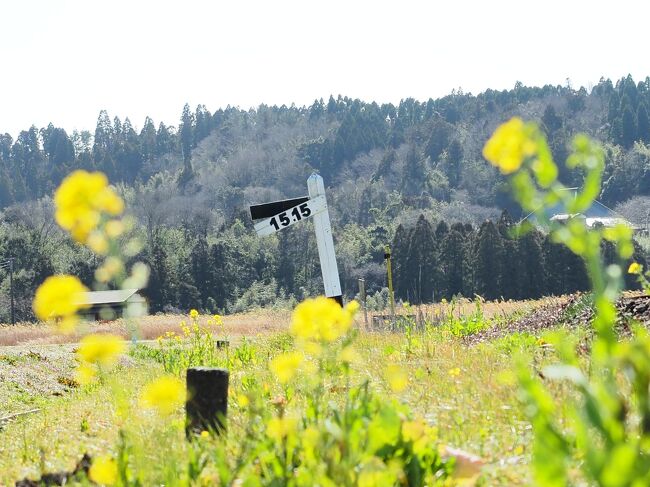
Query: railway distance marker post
x=278, y=215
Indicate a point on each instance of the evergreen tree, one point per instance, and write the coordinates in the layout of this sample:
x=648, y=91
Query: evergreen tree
x=129, y=156
x=200, y=269
x=187, y=140
x=453, y=163
x=565, y=272
x=148, y=140
x=317, y=110
x=332, y=107
x=505, y=224
x=159, y=278
x=452, y=263
x=400, y=257
x=221, y=266
x=57, y=146
x=439, y=140
x=551, y=120
x=533, y=269
x=286, y=271
x=628, y=128
x=421, y=266
x=203, y=124
x=643, y=124
x=512, y=267
x=441, y=230
x=164, y=140
x=103, y=145
x=29, y=158
x=413, y=180
x=189, y=296
x=6, y=141
x=488, y=265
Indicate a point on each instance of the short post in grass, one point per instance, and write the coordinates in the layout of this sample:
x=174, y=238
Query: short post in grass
x=206, y=407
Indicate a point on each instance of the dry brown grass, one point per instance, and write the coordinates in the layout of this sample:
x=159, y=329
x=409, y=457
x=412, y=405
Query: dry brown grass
x=249, y=324
x=492, y=310
x=148, y=328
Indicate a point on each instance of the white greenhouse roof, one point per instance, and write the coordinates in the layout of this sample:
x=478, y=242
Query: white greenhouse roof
x=110, y=297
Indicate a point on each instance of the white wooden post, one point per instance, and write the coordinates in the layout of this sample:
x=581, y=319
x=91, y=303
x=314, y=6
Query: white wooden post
x=325, y=242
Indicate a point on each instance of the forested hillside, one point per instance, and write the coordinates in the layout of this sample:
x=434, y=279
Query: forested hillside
x=394, y=173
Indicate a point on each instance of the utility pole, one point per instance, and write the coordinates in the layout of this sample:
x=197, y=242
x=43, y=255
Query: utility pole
x=389, y=273
x=11, y=286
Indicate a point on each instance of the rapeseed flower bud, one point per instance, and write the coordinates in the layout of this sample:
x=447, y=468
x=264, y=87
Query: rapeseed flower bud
x=635, y=268
x=59, y=297
x=510, y=145
x=103, y=471
x=101, y=349
x=285, y=366
x=396, y=377
x=80, y=201
x=164, y=395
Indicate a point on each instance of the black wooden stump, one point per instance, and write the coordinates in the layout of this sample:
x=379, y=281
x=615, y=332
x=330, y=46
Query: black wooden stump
x=207, y=400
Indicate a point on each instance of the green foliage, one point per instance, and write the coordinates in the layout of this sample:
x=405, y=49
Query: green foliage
x=197, y=346
x=608, y=429
x=516, y=342
x=462, y=325
x=303, y=437
x=384, y=165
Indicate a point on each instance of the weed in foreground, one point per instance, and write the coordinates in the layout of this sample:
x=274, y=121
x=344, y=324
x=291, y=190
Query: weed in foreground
x=609, y=428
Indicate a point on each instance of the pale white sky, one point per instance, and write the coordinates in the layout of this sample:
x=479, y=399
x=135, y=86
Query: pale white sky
x=65, y=60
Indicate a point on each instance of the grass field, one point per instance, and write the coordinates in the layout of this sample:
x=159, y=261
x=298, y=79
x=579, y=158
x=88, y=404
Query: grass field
x=456, y=386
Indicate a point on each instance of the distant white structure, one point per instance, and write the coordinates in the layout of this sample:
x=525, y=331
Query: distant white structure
x=591, y=222
x=596, y=215
x=110, y=305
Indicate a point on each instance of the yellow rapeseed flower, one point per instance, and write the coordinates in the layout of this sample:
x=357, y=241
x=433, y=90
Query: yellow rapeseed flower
x=413, y=430
x=97, y=242
x=80, y=201
x=164, y=395
x=285, y=366
x=111, y=267
x=242, y=400
x=85, y=374
x=101, y=349
x=396, y=377
x=321, y=319
x=114, y=228
x=510, y=144
x=635, y=268
x=205, y=434
x=352, y=307
x=68, y=324
x=59, y=297
x=348, y=355
x=279, y=428
x=312, y=349
x=103, y=471
x=194, y=314
x=454, y=372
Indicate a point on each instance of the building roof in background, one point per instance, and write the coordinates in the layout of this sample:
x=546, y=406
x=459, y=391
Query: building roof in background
x=110, y=297
x=597, y=213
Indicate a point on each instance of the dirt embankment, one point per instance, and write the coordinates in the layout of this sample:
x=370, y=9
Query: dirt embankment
x=572, y=311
